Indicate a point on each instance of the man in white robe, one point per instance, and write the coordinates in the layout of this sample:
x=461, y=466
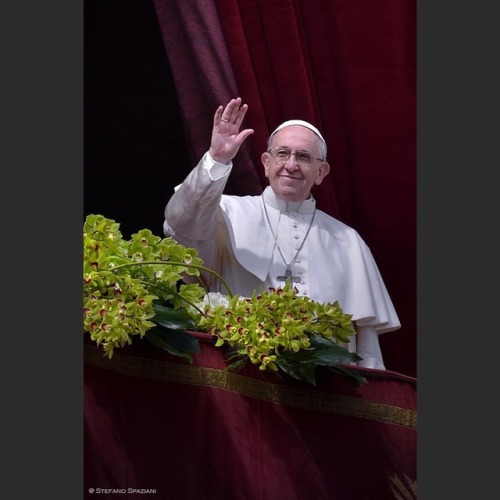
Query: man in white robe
x=256, y=242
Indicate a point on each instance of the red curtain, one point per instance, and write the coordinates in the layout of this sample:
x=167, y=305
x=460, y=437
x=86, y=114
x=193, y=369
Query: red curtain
x=347, y=67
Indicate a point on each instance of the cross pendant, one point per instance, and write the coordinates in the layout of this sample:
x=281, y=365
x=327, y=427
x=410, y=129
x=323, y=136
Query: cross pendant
x=289, y=276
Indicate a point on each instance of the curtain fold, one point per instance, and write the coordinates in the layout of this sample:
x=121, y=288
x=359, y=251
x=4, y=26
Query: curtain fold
x=204, y=79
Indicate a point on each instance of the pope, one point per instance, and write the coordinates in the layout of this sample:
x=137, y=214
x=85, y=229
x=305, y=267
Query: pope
x=257, y=242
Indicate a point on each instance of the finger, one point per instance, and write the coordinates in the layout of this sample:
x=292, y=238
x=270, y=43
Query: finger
x=244, y=134
x=230, y=113
x=234, y=109
x=241, y=114
x=223, y=114
x=217, y=115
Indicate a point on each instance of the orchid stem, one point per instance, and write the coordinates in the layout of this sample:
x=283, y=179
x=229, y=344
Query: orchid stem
x=172, y=263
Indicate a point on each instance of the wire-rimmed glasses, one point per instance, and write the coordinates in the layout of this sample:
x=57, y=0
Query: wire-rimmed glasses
x=282, y=155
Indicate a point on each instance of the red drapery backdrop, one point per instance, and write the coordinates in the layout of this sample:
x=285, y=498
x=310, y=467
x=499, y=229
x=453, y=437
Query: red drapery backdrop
x=347, y=67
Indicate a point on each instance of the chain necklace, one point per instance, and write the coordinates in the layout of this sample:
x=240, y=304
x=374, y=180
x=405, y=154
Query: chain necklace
x=288, y=271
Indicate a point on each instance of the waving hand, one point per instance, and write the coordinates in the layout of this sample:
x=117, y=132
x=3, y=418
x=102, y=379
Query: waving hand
x=226, y=136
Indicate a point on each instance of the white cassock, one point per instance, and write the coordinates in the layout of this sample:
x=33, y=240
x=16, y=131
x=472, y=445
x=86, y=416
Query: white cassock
x=233, y=237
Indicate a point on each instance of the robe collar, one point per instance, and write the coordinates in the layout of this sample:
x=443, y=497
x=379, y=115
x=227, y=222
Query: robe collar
x=302, y=207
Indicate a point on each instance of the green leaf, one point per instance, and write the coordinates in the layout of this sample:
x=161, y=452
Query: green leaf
x=302, y=365
x=325, y=353
x=173, y=319
x=176, y=342
x=354, y=376
x=299, y=371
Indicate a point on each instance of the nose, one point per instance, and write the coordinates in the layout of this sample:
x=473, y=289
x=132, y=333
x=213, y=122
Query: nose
x=292, y=163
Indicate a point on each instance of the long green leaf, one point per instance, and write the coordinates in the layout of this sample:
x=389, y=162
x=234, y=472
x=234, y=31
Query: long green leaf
x=324, y=353
x=354, y=376
x=299, y=371
x=302, y=365
x=174, y=319
x=176, y=342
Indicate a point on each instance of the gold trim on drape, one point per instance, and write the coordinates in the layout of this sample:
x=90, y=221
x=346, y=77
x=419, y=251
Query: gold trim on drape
x=310, y=399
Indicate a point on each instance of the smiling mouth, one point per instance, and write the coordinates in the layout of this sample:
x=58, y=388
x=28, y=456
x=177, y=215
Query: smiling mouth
x=290, y=177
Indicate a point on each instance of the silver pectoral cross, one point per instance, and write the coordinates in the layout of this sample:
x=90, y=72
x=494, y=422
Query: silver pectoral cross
x=289, y=277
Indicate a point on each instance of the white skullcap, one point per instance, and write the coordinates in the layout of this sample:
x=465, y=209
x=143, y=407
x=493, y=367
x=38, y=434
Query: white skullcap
x=302, y=123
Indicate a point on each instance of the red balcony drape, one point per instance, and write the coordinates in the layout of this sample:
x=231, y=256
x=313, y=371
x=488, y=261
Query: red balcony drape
x=200, y=432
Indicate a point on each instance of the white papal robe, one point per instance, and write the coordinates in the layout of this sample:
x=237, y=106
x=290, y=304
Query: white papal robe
x=233, y=237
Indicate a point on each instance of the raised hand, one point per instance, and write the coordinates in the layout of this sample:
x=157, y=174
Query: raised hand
x=226, y=136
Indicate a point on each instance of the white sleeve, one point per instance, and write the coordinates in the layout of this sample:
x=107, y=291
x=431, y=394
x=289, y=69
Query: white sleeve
x=191, y=213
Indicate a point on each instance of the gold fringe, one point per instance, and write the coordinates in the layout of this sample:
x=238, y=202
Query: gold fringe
x=404, y=491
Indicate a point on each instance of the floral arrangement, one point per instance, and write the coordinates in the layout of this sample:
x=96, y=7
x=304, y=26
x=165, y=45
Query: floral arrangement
x=150, y=287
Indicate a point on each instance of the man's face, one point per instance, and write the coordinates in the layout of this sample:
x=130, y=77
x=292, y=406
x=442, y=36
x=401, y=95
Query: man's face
x=292, y=179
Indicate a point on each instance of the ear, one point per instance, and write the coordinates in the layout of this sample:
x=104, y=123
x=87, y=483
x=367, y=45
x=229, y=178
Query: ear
x=265, y=159
x=323, y=170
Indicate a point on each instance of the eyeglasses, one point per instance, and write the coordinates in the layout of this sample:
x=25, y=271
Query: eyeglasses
x=282, y=155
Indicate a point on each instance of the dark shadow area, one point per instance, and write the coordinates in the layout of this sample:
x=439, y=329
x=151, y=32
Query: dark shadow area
x=134, y=146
